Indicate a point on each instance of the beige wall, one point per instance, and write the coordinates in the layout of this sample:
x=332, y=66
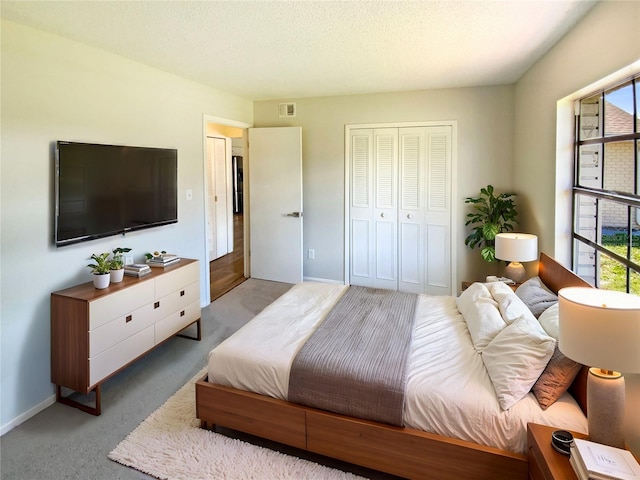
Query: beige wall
x=56, y=89
x=484, y=155
x=605, y=41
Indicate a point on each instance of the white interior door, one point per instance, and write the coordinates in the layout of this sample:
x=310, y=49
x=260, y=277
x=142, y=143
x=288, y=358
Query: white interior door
x=275, y=203
x=221, y=226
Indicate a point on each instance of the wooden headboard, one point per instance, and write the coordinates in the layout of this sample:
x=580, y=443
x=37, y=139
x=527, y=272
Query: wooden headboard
x=555, y=277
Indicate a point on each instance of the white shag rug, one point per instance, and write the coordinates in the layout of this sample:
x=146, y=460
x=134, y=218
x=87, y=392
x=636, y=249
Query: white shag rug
x=170, y=445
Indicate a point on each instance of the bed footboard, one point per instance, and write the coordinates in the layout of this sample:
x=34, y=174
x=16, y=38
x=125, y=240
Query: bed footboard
x=399, y=451
x=250, y=413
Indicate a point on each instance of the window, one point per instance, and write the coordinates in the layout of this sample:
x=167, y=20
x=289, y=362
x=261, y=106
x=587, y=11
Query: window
x=606, y=191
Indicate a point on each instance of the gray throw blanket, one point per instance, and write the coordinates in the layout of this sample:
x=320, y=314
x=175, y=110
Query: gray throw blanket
x=355, y=362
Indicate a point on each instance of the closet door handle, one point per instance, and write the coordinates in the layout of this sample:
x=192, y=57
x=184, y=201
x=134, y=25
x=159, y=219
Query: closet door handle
x=382, y=215
x=409, y=216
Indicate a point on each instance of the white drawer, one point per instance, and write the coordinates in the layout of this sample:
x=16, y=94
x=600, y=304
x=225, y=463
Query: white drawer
x=177, y=300
x=120, y=303
x=121, y=328
x=177, y=321
x=171, y=281
x=112, y=359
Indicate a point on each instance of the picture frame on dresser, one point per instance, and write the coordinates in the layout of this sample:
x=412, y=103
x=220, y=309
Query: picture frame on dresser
x=97, y=333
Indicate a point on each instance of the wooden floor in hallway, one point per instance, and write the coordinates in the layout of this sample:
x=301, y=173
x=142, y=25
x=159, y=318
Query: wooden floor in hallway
x=227, y=271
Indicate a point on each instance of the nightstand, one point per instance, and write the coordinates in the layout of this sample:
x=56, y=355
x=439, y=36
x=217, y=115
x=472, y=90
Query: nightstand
x=544, y=462
x=466, y=285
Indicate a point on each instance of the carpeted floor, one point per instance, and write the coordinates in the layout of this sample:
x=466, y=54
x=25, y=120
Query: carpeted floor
x=63, y=442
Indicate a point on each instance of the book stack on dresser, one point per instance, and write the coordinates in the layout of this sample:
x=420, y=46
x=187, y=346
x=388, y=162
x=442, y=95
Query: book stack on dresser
x=137, y=270
x=163, y=260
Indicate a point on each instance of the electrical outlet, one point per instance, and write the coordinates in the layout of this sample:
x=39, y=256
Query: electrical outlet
x=312, y=254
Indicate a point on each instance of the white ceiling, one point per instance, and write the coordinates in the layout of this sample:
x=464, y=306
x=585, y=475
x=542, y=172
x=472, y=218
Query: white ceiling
x=293, y=48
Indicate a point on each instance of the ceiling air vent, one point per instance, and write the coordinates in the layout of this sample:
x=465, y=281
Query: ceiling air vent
x=287, y=110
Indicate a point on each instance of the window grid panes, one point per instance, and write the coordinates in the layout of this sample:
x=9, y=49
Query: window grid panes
x=606, y=193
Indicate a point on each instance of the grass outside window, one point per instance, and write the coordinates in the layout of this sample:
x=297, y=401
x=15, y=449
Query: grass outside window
x=613, y=274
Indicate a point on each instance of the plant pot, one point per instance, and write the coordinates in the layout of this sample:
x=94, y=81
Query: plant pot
x=117, y=275
x=101, y=280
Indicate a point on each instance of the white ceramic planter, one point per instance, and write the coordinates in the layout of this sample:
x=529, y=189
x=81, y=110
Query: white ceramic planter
x=117, y=275
x=102, y=280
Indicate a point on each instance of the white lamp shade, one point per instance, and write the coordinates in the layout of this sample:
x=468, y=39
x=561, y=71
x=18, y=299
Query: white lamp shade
x=516, y=247
x=600, y=328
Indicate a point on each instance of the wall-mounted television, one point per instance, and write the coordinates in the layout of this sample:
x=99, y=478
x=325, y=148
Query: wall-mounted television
x=103, y=190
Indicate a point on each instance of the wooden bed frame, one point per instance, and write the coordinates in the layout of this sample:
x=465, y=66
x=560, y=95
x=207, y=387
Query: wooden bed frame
x=404, y=452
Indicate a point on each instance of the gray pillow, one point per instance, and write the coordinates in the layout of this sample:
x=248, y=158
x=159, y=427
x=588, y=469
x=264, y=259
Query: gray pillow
x=536, y=296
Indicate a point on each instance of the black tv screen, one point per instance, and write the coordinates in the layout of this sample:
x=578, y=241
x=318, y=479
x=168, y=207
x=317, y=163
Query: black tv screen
x=104, y=190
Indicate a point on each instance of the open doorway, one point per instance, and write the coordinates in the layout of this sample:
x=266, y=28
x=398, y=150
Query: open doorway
x=227, y=271
x=225, y=207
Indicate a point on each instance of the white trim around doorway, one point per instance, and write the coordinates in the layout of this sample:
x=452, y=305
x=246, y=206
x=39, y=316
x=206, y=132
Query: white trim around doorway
x=210, y=119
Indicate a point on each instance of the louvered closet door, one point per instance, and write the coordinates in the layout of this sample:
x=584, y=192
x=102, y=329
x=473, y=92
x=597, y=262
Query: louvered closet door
x=413, y=149
x=437, y=212
x=385, y=213
x=400, y=209
x=374, y=208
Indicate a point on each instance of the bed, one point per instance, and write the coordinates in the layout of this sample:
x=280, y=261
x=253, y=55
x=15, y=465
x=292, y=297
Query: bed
x=483, y=431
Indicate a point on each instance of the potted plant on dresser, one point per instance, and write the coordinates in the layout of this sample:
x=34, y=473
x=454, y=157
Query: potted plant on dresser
x=101, y=270
x=117, y=264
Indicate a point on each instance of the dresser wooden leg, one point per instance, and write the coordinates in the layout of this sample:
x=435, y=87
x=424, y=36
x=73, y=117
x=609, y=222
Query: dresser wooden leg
x=97, y=410
x=198, y=336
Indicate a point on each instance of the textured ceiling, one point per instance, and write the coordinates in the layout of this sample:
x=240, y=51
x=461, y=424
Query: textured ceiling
x=286, y=49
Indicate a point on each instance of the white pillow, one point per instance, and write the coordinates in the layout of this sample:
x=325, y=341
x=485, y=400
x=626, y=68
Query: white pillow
x=515, y=358
x=550, y=321
x=480, y=312
x=510, y=305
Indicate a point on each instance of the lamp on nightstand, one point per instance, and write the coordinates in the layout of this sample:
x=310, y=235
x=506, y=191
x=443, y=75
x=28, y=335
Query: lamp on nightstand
x=516, y=248
x=602, y=327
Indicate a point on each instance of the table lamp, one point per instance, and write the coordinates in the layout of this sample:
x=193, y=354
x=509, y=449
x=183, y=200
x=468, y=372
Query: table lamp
x=602, y=328
x=516, y=248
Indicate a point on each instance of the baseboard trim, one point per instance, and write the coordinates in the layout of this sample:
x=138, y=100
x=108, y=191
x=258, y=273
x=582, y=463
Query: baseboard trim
x=322, y=280
x=32, y=412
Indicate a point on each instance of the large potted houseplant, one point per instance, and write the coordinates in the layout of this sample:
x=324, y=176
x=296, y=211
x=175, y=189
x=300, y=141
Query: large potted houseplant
x=117, y=264
x=492, y=214
x=101, y=269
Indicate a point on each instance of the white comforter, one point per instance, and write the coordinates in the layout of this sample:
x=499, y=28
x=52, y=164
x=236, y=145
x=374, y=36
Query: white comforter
x=449, y=391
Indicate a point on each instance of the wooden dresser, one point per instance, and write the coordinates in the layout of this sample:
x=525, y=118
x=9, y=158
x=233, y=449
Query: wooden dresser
x=95, y=333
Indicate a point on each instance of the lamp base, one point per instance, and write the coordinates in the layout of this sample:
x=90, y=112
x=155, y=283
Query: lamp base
x=605, y=407
x=516, y=272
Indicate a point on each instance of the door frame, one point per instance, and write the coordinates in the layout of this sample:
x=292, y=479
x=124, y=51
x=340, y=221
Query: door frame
x=454, y=188
x=206, y=120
